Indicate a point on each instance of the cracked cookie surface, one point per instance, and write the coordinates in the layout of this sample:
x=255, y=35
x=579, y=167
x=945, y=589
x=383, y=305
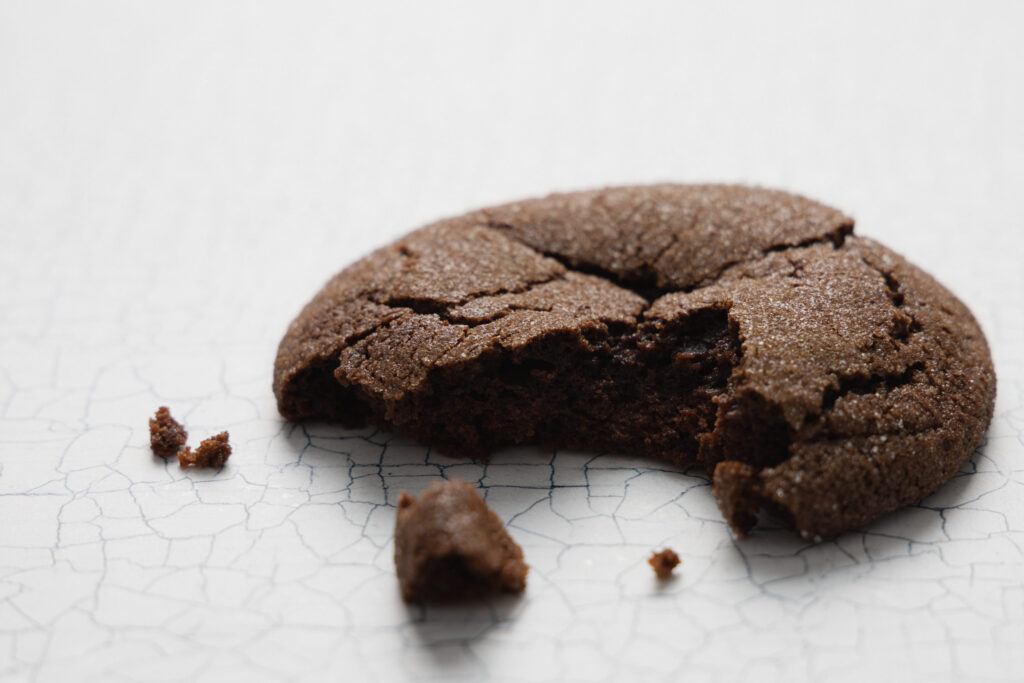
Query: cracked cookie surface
x=814, y=373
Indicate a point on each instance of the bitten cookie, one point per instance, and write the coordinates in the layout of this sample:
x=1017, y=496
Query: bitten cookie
x=814, y=373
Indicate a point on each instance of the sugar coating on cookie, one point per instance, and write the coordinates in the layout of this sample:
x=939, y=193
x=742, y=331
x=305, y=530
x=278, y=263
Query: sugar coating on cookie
x=815, y=374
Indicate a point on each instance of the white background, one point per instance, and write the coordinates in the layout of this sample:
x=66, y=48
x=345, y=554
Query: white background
x=177, y=179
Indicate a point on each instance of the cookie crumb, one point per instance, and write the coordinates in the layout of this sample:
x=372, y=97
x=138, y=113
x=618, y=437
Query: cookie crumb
x=166, y=435
x=663, y=562
x=212, y=452
x=450, y=546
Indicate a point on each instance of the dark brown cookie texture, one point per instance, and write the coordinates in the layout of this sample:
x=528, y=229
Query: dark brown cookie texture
x=817, y=375
x=166, y=435
x=449, y=545
x=663, y=562
x=212, y=452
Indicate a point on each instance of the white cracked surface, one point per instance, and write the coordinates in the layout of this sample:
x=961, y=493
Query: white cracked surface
x=177, y=179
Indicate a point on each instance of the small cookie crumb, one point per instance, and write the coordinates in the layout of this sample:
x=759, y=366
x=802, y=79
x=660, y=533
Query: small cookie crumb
x=166, y=435
x=663, y=562
x=212, y=452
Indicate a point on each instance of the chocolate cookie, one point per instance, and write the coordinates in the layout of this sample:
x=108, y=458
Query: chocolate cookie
x=816, y=374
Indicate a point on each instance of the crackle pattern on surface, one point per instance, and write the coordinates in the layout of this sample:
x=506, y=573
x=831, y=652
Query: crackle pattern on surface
x=159, y=163
x=115, y=564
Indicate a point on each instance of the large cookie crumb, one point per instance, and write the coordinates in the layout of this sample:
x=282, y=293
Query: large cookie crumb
x=449, y=545
x=166, y=435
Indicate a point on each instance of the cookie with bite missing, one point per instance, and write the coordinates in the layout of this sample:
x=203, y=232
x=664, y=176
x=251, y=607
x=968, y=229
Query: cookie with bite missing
x=813, y=373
